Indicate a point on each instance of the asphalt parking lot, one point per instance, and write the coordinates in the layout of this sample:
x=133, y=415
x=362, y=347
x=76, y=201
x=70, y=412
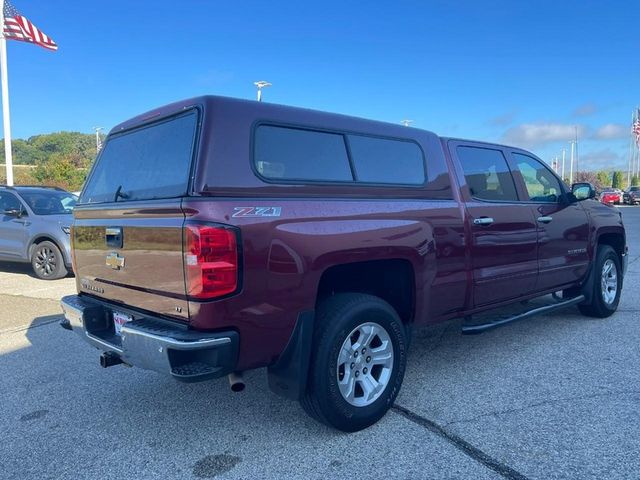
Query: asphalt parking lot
x=552, y=397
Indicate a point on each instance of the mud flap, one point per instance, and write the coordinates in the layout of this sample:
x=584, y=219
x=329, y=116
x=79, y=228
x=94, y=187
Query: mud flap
x=288, y=376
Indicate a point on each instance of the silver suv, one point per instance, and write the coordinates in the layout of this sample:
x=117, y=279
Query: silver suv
x=34, y=227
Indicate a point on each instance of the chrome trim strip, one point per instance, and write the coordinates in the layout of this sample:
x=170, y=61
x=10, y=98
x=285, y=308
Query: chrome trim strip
x=177, y=344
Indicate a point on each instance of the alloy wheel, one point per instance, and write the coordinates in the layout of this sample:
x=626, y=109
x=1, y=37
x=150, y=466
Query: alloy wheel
x=609, y=281
x=365, y=363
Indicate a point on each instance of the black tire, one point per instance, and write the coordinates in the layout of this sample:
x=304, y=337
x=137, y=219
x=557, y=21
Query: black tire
x=47, y=261
x=336, y=319
x=599, y=307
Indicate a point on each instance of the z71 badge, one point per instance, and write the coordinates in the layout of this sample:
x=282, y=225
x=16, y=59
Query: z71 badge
x=257, y=211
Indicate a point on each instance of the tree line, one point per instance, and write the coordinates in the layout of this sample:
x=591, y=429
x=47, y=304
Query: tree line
x=60, y=159
x=605, y=179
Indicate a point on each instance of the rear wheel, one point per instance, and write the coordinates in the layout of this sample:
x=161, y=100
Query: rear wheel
x=357, y=363
x=606, y=285
x=47, y=261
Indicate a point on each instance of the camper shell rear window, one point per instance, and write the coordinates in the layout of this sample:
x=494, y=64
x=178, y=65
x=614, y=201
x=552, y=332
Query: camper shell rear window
x=148, y=162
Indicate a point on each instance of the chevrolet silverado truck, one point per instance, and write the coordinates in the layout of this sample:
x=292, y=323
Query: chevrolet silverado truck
x=217, y=235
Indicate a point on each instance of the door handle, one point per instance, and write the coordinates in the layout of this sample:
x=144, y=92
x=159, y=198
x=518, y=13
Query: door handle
x=483, y=221
x=113, y=237
x=545, y=219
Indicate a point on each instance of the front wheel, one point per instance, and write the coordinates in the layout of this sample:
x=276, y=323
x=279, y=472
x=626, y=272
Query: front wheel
x=606, y=285
x=47, y=261
x=357, y=363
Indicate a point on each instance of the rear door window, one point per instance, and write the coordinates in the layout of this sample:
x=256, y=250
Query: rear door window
x=381, y=160
x=149, y=162
x=295, y=154
x=487, y=174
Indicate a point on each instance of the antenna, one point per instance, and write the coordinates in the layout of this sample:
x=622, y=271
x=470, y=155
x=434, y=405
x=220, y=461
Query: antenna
x=406, y=123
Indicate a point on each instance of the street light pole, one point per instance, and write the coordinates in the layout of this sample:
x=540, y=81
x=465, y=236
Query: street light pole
x=260, y=85
x=571, y=165
x=576, y=141
x=98, y=143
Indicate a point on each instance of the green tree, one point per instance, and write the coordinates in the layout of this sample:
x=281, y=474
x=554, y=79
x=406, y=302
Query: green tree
x=635, y=181
x=80, y=148
x=603, y=179
x=59, y=171
x=618, y=180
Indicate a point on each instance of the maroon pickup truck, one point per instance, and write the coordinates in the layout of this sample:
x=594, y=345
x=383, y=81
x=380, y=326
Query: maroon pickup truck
x=217, y=235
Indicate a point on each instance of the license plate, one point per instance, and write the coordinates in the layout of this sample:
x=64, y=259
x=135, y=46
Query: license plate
x=119, y=319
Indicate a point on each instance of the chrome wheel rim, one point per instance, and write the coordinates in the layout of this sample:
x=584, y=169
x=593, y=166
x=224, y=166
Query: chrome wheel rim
x=45, y=262
x=609, y=281
x=365, y=363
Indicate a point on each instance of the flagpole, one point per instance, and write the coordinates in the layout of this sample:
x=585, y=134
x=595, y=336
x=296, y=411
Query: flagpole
x=5, y=99
x=637, y=146
x=629, y=175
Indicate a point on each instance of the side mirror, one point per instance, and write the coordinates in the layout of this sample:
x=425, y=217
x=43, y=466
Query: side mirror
x=13, y=212
x=583, y=191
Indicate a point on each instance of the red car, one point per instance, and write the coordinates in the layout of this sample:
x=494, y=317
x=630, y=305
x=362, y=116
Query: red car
x=611, y=196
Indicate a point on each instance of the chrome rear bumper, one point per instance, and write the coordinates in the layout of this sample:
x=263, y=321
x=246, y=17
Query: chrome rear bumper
x=152, y=343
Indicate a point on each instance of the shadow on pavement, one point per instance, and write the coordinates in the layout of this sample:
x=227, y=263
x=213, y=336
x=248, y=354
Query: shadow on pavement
x=24, y=268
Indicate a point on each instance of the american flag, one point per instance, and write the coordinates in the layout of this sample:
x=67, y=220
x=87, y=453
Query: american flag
x=17, y=27
x=635, y=129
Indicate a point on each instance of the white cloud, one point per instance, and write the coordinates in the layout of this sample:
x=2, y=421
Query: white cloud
x=537, y=134
x=611, y=131
x=585, y=110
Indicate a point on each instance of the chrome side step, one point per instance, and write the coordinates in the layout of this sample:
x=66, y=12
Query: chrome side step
x=500, y=321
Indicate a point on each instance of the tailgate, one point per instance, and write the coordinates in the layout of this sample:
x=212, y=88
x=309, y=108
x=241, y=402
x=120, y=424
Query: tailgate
x=132, y=254
x=127, y=233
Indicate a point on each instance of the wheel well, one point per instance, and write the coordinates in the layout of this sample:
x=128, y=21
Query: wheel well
x=41, y=239
x=392, y=280
x=615, y=241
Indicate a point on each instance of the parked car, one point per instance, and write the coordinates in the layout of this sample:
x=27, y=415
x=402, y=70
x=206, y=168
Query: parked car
x=611, y=196
x=34, y=228
x=215, y=236
x=632, y=196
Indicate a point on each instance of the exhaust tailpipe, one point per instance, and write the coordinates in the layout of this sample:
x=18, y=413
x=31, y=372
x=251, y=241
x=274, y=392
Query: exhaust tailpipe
x=109, y=359
x=236, y=382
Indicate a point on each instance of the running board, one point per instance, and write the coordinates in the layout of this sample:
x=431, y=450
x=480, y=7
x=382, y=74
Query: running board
x=500, y=321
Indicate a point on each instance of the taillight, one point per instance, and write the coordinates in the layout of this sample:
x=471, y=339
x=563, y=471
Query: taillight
x=210, y=261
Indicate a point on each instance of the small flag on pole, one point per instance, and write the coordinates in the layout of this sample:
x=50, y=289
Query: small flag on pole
x=17, y=27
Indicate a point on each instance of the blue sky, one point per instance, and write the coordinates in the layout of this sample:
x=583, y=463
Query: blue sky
x=519, y=72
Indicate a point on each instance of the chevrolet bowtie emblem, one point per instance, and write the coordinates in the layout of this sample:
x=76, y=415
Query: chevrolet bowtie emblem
x=115, y=261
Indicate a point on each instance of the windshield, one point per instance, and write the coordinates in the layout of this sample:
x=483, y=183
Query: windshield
x=149, y=162
x=50, y=202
